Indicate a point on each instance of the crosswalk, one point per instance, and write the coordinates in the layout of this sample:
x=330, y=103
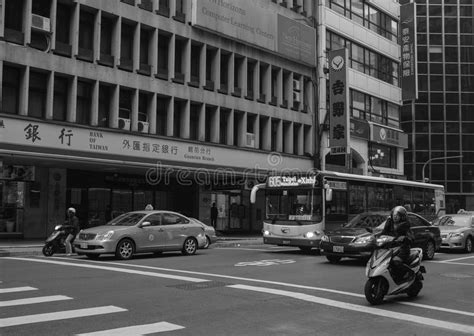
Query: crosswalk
x=14, y=321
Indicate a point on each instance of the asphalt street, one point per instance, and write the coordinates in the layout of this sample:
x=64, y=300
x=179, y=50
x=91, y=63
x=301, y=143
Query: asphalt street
x=247, y=290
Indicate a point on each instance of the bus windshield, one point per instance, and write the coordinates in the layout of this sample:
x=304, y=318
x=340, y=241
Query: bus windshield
x=294, y=205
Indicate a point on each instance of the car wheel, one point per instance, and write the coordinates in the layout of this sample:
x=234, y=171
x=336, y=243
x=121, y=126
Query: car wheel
x=429, y=251
x=208, y=242
x=305, y=249
x=375, y=289
x=468, y=245
x=333, y=259
x=125, y=249
x=92, y=256
x=189, y=246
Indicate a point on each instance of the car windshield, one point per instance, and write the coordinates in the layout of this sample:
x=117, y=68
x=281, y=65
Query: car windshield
x=365, y=221
x=452, y=221
x=127, y=219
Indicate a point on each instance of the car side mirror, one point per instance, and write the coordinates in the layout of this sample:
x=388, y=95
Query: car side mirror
x=144, y=224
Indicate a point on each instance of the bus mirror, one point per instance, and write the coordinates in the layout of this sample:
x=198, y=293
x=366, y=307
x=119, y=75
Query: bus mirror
x=328, y=195
x=253, y=192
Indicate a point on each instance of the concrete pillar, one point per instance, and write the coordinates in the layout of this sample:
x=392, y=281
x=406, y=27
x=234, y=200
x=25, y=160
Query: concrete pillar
x=136, y=47
x=72, y=101
x=215, y=125
x=134, y=116
x=95, y=104
x=256, y=80
x=202, y=66
x=50, y=96
x=27, y=20
x=152, y=111
x=243, y=78
x=153, y=52
x=300, y=140
x=117, y=33
x=97, y=24
x=114, y=106
x=217, y=69
x=185, y=120
x=52, y=17
x=170, y=118
x=171, y=56
x=230, y=128
x=202, y=115
x=290, y=90
x=231, y=70
x=279, y=87
x=267, y=87
x=186, y=61
x=279, y=136
x=24, y=91
x=256, y=131
x=75, y=29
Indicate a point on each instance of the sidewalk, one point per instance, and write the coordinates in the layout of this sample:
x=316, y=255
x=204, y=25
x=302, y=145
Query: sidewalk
x=20, y=247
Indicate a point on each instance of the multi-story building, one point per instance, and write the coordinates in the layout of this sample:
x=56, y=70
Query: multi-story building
x=107, y=106
x=369, y=30
x=441, y=121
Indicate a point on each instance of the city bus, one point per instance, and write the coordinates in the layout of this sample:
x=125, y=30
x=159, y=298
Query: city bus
x=299, y=207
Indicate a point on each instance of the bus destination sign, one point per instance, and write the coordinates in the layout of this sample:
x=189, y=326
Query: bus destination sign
x=291, y=181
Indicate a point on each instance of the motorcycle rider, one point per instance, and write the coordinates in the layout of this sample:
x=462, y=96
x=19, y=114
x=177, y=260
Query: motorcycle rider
x=73, y=223
x=397, y=226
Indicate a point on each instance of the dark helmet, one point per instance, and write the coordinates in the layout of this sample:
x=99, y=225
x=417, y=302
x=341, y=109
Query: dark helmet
x=398, y=214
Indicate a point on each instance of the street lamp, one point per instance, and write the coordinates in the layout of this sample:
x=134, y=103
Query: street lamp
x=438, y=158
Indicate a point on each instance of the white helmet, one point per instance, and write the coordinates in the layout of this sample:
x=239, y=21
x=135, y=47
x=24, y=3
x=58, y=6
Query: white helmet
x=71, y=210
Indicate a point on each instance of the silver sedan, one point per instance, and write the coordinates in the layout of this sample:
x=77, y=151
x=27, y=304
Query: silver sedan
x=142, y=231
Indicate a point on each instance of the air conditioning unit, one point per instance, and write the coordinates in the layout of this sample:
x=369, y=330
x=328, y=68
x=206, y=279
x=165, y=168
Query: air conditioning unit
x=296, y=85
x=40, y=23
x=296, y=96
x=250, y=140
x=124, y=124
x=143, y=126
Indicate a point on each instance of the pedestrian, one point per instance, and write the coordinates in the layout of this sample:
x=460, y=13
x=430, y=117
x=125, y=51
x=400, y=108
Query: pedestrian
x=149, y=207
x=214, y=215
x=73, y=227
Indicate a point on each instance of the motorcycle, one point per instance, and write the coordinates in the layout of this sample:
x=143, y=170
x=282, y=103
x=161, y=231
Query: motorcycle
x=384, y=279
x=55, y=243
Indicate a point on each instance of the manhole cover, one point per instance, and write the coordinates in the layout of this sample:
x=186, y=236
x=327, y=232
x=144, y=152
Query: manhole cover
x=200, y=285
x=457, y=275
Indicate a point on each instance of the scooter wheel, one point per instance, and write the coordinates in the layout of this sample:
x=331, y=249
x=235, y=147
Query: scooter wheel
x=48, y=250
x=415, y=288
x=375, y=290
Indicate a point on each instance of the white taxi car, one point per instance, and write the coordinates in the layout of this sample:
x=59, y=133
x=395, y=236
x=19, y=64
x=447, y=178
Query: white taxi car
x=457, y=231
x=141, y=231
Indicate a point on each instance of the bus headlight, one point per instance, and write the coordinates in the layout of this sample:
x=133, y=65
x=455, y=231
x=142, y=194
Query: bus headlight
x=309, y=234
x=266, y=232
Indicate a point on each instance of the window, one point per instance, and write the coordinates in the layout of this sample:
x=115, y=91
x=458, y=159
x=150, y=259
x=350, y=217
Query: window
x=172, y=219
x=154, y=219
x=194, y=122
x=61, y=88
x=126, y=47
x=11, y=89
x=224, y=120
x=37, y=94
x=383, y=156
x=63, y=28
x=86, y=34
x=163, y=51
x=84, y=102
x=104, y=105
x=106, y=31
x=161, y=115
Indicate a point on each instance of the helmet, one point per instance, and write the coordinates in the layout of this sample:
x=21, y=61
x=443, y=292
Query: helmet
x=71, y=210
x=398, y=214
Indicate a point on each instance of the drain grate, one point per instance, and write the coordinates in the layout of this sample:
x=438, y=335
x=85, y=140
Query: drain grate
x=200, y=285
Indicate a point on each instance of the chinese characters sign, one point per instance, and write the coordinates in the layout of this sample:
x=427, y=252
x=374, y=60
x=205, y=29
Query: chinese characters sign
x=408, y=45
x=338, y=100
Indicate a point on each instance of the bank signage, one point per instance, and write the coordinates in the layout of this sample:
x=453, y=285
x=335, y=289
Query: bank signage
x=388, y=136
x=249, y=22
x=32, y=134
x=339, y=130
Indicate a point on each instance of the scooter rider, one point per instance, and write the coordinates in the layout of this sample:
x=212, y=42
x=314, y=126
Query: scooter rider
x=397, y=226
x=73, y=223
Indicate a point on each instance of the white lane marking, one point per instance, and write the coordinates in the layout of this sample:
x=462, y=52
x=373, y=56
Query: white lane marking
x=61, y=315
x=137, y=330
x=114, y=269
x=363, y=309
x=449, y=263
x=284, y=284
x=450, y=260
x=16, y=289
x=39, y=299
x=242, y=249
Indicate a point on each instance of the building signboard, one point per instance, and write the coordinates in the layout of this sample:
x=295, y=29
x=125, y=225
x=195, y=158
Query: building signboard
x=409, y=59
x=388, y=136
x=291, y=181
x=249, y=22
x=34, y=135
x=339, y=130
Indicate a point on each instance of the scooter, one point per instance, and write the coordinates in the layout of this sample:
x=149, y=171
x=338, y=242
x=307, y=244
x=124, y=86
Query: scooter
x=55, y=243
x=382, y=278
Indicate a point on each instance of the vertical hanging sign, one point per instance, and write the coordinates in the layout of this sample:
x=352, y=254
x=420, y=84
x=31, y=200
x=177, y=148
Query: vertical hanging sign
x=408, y=45
x=338, y=98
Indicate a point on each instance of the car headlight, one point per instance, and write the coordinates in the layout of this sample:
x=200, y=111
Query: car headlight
x=105, y=236
x=364, y=240
x=325, y=238
x=456, y=235
x=266, y=232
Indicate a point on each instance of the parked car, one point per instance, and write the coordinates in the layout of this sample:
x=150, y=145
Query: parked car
x=141, y=231
x=354, y=241
x=351, y=240
x=457, y=231
x=210, y=232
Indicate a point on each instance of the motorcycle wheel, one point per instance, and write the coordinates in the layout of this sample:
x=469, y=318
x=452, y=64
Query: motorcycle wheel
x=415, y=289
x=48, y=250
x=375, y=290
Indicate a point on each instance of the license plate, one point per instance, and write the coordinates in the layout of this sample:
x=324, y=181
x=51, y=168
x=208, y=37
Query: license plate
x=286, y=242
x=84, y=245
x=339, y=249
